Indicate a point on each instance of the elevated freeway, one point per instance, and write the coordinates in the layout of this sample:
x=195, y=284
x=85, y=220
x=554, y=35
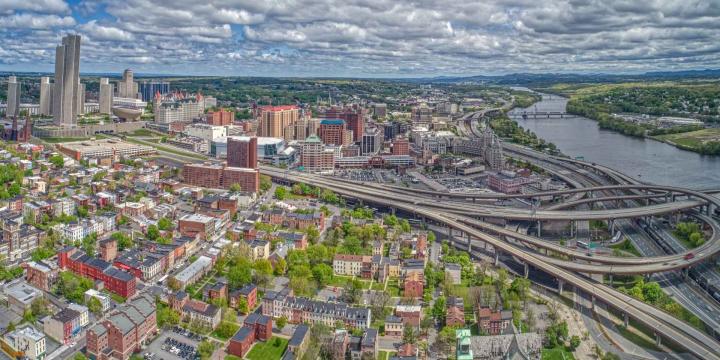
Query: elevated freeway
x=696, y=342
x=634, y=266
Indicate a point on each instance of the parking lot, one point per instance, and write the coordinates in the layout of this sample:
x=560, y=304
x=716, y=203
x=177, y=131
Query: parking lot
x=173, y=344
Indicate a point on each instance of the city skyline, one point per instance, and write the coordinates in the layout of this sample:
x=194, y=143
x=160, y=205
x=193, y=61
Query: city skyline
x=379, y=39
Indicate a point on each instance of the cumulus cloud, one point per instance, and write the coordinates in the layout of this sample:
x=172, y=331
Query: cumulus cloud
x=370, y=37
x=35, y=21
x=41, y=6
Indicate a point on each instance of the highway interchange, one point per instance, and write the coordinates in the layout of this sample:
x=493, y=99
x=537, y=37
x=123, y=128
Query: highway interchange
x=459, y=212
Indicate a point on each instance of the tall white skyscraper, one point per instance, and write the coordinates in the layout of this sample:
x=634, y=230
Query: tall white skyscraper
x=127, y=87
x=106, y=96
x=81, y=98
x=13, y=97
x=66, y=89
x=46, y=96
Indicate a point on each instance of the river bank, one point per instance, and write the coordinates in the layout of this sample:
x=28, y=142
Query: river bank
x=646, y=159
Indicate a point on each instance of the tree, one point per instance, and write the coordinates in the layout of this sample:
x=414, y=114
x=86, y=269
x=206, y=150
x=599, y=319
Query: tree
x=445, y=340
x=235, y=187
x=409, y=335
x=226, y=329
x=354, y=292
x=57, y=160
x=152, y=233
x=322, y=273
x=88, y=244
x=79, y=356
x=239, y=275
x=281, y=322
x=123, y=241
x=652, y=292
x=243, y=305
x=280, y=193
x=280, y=267
x=174, y=284
x=263, y=272
x=431, y=236
x=206, y=349
x=164, y=224
x=95, y=306
x=438, y=309
x=574, y=342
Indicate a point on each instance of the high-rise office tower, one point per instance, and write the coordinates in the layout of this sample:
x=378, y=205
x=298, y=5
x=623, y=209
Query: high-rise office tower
x=13, y=97
x=67, y=81
x=148, y=89
x=128, y=88
x=106, y=96
x=46, y=99
x=242, y=152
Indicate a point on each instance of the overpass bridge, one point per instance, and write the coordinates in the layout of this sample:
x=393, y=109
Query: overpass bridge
x=665, y=325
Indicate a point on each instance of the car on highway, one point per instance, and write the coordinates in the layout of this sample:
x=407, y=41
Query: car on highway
x=689, y=256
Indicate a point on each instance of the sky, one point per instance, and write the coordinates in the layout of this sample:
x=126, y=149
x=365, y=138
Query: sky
x=364, y=38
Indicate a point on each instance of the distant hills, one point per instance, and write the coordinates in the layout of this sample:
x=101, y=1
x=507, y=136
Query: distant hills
x=524, y=79
x=552, y=78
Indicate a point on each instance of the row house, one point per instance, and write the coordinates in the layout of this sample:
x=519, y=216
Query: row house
x=142, y=264
x=64, y=326
x=35, y=210
x=296, y=240
x=124, y=331
x=192, y=310
x=259, y=249
x=351, y=265
x=493, y=322
x=346, y=346
x=63, y=206
x=41, y=275
x=455, y=315
x=115, y=280
x=99, y=225
x=302, y=310
x=410, y=314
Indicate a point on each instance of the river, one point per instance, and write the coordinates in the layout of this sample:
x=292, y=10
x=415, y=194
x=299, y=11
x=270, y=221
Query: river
x=644, y=159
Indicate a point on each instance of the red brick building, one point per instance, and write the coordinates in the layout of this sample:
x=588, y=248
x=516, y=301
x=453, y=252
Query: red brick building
x=215, y=176
x=455, y=315
x=400, y=146
x=242, y=152
x=493, y=322
x=221, y=117
x=334, y=132
x=108, y=249
x=115, y=280
x=354, y=118
x=247, y=292
x=256, y=327
x=124, y=331
x=413, y=285
x=40, y=274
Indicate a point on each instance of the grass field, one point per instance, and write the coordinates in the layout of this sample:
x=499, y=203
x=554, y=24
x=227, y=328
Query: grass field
x=273, y=349
x=692, y=139
x=556, y=354
x=627, y=246
x=637, y=339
